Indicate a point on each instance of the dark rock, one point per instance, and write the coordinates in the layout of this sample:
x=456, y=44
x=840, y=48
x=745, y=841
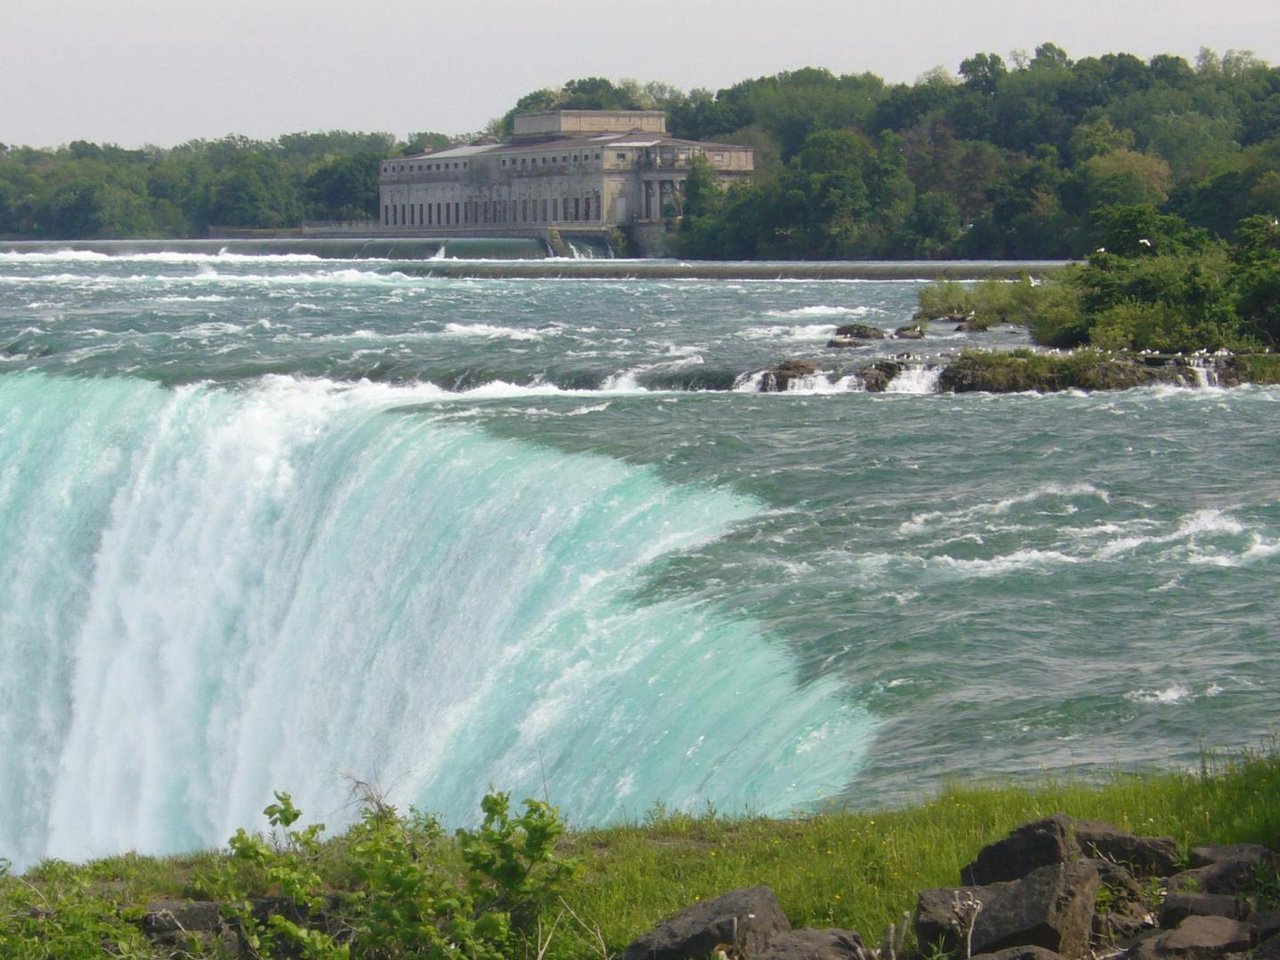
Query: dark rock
x=745, y=920
x=1020, y=953
x=1061, y=838
x=1178, y=906
x=845, y=342
x=1127, y=907
x=912, y=332
x=1254, y=853
x=169, y=916
x=877, y=376
x=1230, y=877
x=1267, y=924
x=861, y=331
x=1197, y=938
x=1028, y=847
x=1267, y=950
x=184, y=928
x=809, y=944
x=1023, y=370
x=1145, y=856
x=1052, y=907
x=780, y=377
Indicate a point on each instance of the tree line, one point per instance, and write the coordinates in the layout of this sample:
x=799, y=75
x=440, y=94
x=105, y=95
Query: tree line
x=1005, y=158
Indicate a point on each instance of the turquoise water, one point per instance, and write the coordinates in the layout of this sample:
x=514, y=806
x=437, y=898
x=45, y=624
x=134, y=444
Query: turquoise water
x=267, y=521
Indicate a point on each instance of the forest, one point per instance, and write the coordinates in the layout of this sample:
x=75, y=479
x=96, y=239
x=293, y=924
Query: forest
x=1011, y=158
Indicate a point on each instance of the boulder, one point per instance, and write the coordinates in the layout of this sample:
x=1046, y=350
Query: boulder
x=810, y=944
x=845, y=342
x=780, y=377
x=1027, y=848
x=1178, y=906
x=861, y=331
x=1197, y=938
x=1125, y=910
x=1267, y=950
x=1230, y=877
x=1052, y=907
x=877, y=376
x=173, y=916
x=910, y=332
x=1058, y=839
x=1267, y=923
x=1144, y=856
x=1254, y=853
x=744, y=921
x=1020, y=953
x=184, y=928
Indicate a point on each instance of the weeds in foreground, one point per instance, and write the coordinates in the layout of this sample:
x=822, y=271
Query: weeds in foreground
x=396, y=884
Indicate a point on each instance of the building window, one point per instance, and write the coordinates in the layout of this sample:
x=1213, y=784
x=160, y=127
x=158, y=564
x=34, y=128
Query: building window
x=457, y=211
x=622, y=158
x=555, y=208
x=544, y=209
x=386, y=215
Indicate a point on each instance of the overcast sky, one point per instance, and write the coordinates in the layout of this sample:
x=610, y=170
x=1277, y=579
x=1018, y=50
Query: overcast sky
x=166, y=71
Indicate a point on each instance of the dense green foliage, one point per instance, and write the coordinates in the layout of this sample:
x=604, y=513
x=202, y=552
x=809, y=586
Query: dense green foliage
x=392, y=886
x=1154, y=284
x=996, y=161
x=85, y=190
x=395, y=885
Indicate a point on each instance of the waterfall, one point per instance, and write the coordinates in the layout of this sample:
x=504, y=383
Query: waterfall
x=916, y=378
x=211, y=593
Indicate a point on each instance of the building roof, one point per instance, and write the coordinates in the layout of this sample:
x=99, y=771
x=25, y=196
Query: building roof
x=634, y=139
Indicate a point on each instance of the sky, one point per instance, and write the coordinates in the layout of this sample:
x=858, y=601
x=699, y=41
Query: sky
x=163, y=72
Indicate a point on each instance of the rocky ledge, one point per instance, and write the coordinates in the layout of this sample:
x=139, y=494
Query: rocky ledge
x=1026, y=370
x=1056, y=889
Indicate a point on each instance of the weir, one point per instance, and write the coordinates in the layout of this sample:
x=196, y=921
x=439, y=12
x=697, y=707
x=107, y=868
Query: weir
x=588, y=257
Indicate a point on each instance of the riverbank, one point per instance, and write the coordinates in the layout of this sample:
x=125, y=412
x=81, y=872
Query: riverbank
x=849, y=870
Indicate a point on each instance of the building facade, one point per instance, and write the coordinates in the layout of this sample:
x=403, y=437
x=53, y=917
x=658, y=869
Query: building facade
x=579, y=171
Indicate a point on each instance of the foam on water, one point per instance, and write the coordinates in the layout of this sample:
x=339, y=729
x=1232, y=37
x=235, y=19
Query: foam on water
x=209, y=594
x=915, y=379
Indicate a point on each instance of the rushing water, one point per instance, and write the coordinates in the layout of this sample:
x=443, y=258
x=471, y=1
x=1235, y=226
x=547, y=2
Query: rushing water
x=270, y=520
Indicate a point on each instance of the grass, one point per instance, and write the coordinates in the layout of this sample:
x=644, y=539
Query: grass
x=857, y=870
x=863, y=870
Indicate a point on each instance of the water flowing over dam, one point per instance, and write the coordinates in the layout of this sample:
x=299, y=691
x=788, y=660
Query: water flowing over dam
x=270, y=520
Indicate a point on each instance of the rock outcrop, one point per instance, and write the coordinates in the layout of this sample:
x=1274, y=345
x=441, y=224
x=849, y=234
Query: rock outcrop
x=742, y=923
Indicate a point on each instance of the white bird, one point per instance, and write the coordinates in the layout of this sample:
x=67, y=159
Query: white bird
x=1144, y=241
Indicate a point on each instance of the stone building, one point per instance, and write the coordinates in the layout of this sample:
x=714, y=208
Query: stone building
x=580, y=172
